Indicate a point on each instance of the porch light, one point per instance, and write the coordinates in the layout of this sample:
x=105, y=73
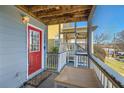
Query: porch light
x=25, y=19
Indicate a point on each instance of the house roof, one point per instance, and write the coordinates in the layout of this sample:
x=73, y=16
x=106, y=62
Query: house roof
x=69, y=33
x=55, y=14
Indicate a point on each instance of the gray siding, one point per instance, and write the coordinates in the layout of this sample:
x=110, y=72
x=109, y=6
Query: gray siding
x=13, y=46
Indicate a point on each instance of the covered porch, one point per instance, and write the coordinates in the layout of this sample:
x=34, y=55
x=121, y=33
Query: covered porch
x=72, y=66
x=27, y=62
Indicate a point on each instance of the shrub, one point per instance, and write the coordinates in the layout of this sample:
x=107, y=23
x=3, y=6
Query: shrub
x=55, y=49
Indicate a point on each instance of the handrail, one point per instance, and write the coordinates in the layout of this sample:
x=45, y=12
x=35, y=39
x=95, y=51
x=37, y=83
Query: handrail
x=111, y=78
x=56, y=53
x=80, y=47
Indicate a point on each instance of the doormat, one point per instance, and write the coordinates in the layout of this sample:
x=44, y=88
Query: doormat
x=37, y=80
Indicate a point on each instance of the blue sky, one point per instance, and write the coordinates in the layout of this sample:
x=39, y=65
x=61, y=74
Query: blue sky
x=81, y=24
x=109, y=19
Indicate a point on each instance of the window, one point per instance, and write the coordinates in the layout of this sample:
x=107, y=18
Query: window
x=34, y=41
x=108, y=36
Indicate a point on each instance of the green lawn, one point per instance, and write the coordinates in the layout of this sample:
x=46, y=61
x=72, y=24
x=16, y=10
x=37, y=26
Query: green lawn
x=116, y=65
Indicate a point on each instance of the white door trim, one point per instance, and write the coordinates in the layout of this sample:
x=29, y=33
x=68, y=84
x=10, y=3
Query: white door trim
x=42, y=55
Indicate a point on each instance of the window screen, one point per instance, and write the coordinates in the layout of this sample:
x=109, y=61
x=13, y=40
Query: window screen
x=108, y=36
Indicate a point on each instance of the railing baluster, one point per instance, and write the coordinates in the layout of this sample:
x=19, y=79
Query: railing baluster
x=106, y=80
x=52, y=62
x=55, y=61
x=82, y=60
x=49, y=61
x=87, y=61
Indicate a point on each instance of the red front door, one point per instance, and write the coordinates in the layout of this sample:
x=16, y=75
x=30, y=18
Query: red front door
x=34, y=49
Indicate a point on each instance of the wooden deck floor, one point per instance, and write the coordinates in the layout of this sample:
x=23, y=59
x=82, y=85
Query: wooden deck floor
x=48, y=83
x=77, y=78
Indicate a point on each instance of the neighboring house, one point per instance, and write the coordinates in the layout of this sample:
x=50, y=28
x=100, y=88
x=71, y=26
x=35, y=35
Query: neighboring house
x=67, y=33
x=70, y=36
x=110, y=51
x=53, y=31
x=121, y=53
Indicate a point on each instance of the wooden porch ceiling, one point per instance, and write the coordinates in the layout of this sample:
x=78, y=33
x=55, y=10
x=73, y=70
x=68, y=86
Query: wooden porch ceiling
x=55, y=14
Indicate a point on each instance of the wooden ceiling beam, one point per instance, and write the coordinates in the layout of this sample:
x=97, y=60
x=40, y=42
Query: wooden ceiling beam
x=61, y=12
x=86, y=12
x=64, y=17
x=67, y=16
x=64, y=14
x=38, y=8
x=64, y=20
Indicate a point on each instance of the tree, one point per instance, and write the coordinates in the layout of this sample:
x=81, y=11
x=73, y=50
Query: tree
x=98, y=50
x=119, y=41
x=101, y=38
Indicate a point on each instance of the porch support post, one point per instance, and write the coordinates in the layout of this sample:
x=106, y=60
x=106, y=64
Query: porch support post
x=75, y=30
x=89, y=44
x=46, y=46
x=90, y=36
x=59, y=30
x=75, y=48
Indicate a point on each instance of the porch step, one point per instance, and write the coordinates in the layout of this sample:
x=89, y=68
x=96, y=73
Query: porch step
x=36, y=81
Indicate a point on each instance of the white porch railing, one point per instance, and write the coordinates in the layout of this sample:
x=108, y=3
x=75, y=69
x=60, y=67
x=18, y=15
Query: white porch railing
x=81, y=60
x=61, y=61
x=56, y=62
x=52, y=61
x=106, y=80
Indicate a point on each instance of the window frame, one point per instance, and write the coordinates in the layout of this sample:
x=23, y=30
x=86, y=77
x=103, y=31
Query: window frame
x=30, y=49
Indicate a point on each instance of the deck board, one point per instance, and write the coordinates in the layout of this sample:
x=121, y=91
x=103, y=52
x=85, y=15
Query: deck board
x=78, y=77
